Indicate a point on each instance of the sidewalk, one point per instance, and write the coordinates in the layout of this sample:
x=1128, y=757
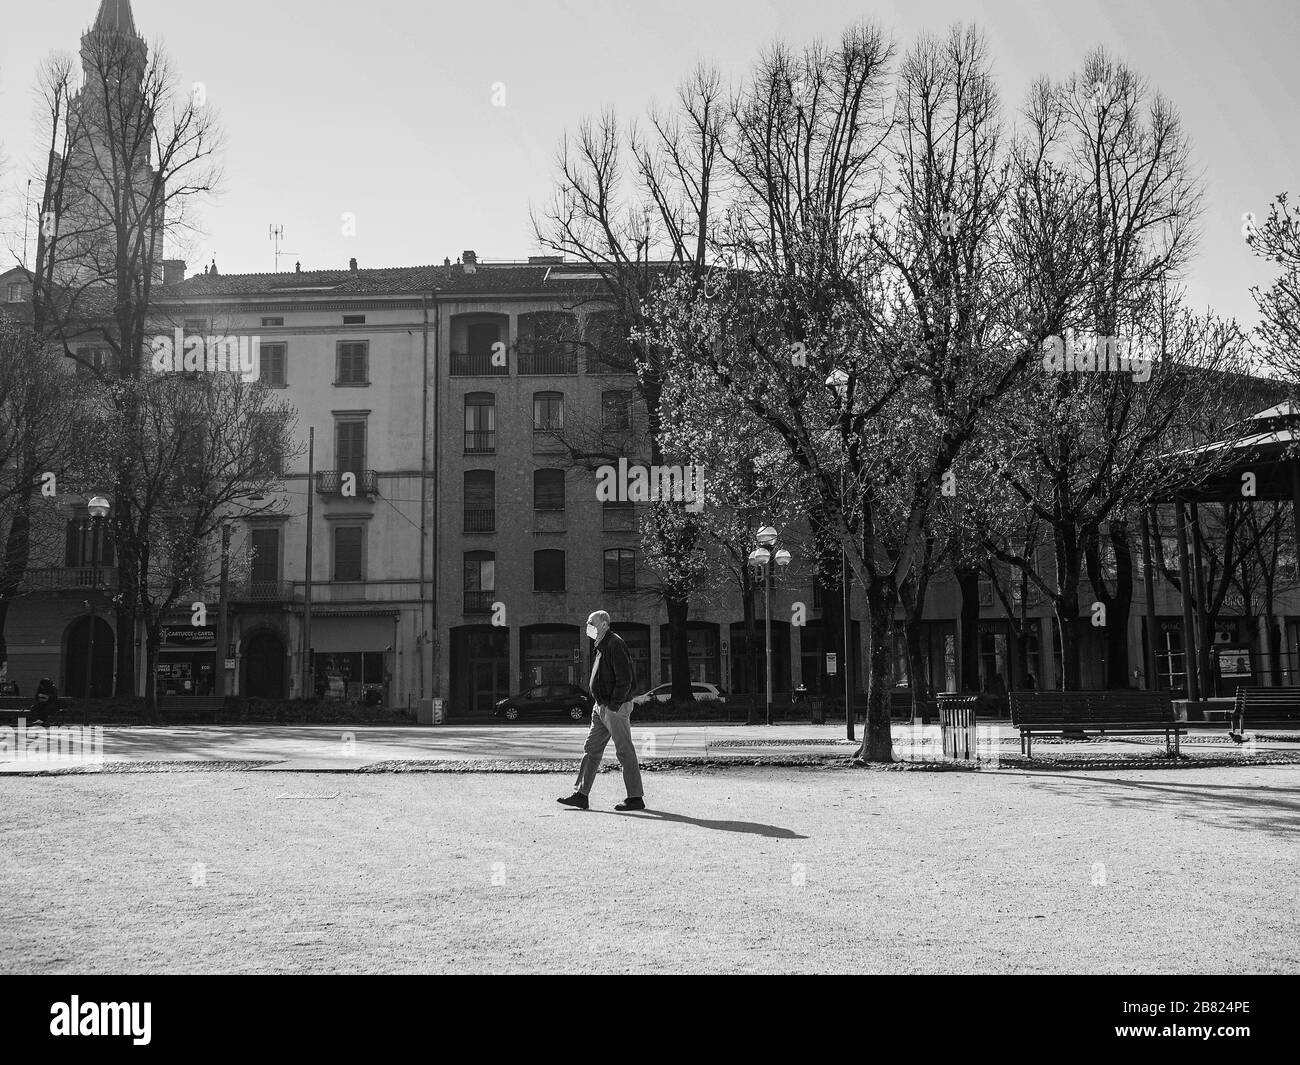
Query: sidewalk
x=308, y=748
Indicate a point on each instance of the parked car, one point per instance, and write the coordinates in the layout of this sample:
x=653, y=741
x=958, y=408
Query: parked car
x=567, y=699
x=704, y=693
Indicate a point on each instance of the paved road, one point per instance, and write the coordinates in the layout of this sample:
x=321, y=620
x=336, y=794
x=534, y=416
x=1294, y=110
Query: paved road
x=305, y=748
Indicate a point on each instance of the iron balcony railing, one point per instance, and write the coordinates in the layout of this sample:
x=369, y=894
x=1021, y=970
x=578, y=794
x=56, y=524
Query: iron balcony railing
x=66, y=578
x=330, y=482
x=480, y=441
x=480, y=365
x=259, y=591
x=479, y=601
x=548, y=362
x=480, y=519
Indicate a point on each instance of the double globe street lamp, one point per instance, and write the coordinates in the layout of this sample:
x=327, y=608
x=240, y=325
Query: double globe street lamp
x=764, y=556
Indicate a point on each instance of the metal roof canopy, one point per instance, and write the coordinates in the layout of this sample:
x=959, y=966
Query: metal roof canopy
x=1270, y=449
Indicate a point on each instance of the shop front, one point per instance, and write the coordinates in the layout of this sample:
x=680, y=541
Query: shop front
x=187, y=662
x=352, y=657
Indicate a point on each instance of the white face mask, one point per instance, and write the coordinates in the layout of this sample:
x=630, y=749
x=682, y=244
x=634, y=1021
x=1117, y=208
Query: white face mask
x=592, y=631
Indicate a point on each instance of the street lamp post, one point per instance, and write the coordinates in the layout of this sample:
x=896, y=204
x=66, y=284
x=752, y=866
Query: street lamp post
x=764, y=555
x=99, y=508
x=838, y=384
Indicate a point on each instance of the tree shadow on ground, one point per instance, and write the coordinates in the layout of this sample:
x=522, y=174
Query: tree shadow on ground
x=744, y=827
x=1260, y=808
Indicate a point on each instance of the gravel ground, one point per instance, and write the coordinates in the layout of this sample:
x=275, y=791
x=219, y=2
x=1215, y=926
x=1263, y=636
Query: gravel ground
x=742, y=870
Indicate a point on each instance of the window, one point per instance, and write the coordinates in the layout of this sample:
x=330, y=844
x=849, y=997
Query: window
x=354, y=319
x=196, y=325
x=480, y=423
x=480, y=581
x=88, y=543
x=17, y=292
x=348, y=540
x=480, y=501
x=269, y=323
x=618, y=516
x=266, y=439
x=548, y=489
x=547, y=343
x=350, y=446
x=548, y=571
x=620, y=569
x=481, y=338
x=265, y=578
x=353, y=363
x=548, y=412
x=274, y=360
x=607, y=346
x=474, y=345
x=616, y=410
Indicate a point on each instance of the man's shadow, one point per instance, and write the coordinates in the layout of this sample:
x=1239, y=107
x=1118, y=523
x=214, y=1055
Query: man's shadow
x=747, y=827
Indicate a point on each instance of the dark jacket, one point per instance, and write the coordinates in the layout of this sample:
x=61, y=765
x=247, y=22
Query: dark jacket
x=611, y=675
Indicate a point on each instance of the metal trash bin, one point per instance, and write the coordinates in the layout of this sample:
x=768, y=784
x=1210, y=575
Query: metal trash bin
x=817, y=710
x=957, y=725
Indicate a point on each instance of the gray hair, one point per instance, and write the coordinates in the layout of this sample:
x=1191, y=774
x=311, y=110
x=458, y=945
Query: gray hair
x=598, y=615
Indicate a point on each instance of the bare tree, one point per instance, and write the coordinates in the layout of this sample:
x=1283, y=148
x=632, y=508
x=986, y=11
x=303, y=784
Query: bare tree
x=39, y=457
x=130, y=154
x=637, y=208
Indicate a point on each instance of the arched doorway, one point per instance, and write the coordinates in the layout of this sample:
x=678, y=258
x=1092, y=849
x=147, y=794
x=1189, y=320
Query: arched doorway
x=77, y=658
x=264, y=662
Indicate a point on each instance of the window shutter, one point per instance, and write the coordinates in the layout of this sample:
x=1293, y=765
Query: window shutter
x=347, y=554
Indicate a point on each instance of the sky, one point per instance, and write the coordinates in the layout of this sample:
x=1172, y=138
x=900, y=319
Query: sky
x=385, y=111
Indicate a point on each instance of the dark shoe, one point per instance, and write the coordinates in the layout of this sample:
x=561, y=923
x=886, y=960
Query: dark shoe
x=631, y=804
x=1238, y=737
x=577, y=800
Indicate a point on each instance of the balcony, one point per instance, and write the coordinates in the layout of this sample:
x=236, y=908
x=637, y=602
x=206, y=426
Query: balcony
x=478, y=601
x=548, y=362
x=70, y=578
x=480, y=519
x=259, y=591
x=480, y=441
x=466, y=365
x=330, y=482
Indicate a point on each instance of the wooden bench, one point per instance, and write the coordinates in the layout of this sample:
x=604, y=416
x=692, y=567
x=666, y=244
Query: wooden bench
x=1115, y=712
x=1266, y=708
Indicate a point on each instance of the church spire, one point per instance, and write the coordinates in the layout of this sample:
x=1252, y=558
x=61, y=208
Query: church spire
x=115, y=17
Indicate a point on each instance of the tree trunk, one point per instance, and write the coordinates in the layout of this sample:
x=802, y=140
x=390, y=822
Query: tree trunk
x=877, y=741
x=968, y=582
x=1067, y=617
x=152, y=642
x=679, y=646
x=13, y=566
x=1118, y=612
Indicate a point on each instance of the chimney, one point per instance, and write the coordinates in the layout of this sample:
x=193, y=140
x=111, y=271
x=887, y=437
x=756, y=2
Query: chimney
x=297, y=268
x=470, y=261
x=352, y=265
x=173, y=271
x=213, y=271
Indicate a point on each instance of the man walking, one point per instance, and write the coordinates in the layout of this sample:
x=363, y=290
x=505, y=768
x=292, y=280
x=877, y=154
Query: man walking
x=611, y=690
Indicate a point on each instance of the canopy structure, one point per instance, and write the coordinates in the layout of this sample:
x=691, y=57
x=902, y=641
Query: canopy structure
x=1261, y=464
x=1267, y=448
